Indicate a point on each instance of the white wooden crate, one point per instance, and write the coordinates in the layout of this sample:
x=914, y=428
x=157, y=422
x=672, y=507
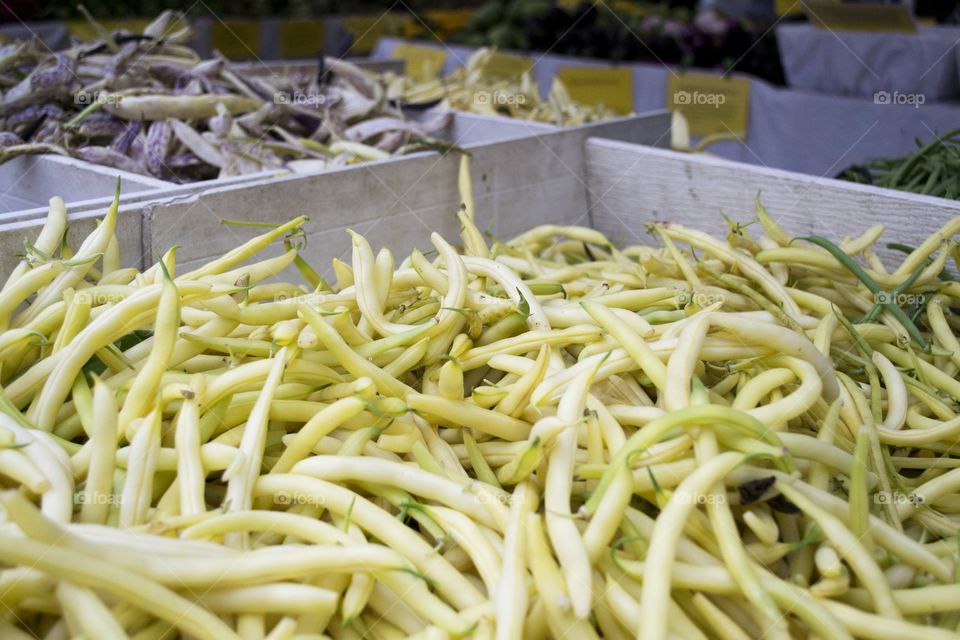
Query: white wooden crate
x=28, y=182
x=398, y=202
x=90, y=187
x=103, y=196
x=632, y=185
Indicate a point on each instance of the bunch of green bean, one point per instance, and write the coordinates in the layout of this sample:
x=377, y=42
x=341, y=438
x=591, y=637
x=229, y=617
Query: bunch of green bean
x=931, y=170
x=548, y=437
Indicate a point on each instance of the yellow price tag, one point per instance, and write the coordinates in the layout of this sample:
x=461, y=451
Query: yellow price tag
x=507, y=66
x=236, y=39
x=421, y=63
x=83, y=30
x=884, y=18
x=711, y=104
x=366, y=30
x=301, y=38
x=612, y=88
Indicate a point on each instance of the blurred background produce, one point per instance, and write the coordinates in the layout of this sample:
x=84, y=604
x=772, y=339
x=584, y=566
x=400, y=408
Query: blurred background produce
x=147, y=103
x=472, y=88
x=628, y=32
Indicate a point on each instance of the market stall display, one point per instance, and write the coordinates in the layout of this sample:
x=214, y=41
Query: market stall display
x=400, y=451
x=450, y=344
x=145, y=103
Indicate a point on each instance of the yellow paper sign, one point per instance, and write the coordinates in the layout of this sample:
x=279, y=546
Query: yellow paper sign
x=83, y=30
x=366, y=30
x=507, y=66
x=301, y=38
x=889, y=18
x=421, y=63
x=236, y=39
x=612, y=88
x=711, y=104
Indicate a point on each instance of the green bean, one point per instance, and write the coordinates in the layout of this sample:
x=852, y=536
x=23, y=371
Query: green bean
x=723, y=625
x=241, y=253
x=652, y=432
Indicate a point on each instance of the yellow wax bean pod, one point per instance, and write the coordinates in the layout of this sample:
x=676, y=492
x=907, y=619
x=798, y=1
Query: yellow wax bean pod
x=94, y=245
x=465, y=414
x=147, y=382
x=350, y=360
x=49, y=239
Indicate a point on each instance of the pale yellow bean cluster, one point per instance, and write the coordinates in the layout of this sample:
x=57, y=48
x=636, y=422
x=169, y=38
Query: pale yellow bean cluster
x=548, y=437
x=477, y=87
